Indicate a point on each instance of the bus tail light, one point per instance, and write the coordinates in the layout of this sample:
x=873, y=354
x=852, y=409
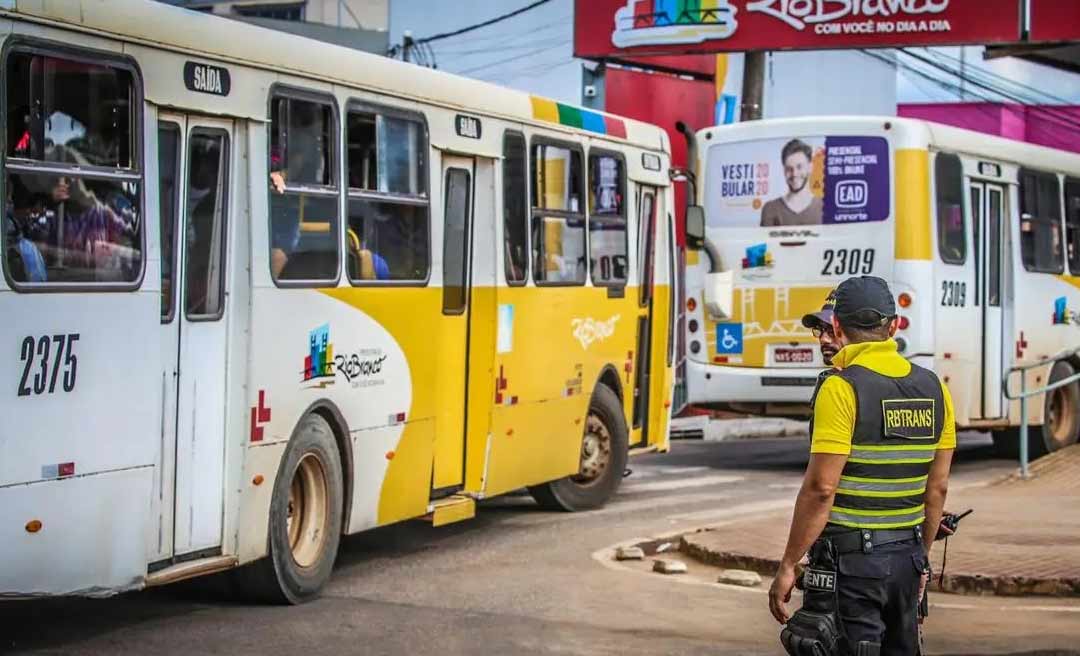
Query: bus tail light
x=904, y=323
x=693, y=324
x=691, y=304
x=901, y=344
x=33, y=526
x=904, y=300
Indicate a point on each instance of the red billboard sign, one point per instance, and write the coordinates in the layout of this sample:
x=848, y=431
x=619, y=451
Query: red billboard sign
x=622, y=28
x=1054, y=21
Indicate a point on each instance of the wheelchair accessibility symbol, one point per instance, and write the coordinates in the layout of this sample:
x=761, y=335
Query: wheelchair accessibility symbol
x=729, y=338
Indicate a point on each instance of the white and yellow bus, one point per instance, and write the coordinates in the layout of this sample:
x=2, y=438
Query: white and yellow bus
x=978, y=236
x=260, y=292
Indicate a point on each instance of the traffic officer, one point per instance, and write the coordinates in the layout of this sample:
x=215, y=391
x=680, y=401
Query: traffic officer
x=872, y=496
x=820, y=325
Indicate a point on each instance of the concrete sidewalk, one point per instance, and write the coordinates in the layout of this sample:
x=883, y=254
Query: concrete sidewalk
x=1023, y=538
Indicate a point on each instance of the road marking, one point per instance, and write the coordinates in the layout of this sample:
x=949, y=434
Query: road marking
x=532, y=519
x=1028, y=609
x=680, y=484
x=734, y=511
x=653, y=471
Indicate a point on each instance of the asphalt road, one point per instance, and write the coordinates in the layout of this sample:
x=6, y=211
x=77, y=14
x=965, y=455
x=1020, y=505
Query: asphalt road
x=518, y=580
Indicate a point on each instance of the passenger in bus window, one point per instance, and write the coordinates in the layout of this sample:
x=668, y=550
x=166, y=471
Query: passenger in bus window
x=799, y=206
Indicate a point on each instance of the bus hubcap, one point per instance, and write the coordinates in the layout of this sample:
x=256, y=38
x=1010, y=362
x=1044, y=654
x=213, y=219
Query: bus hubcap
x=595, y=452
x=307, y=511
x=1061, y=420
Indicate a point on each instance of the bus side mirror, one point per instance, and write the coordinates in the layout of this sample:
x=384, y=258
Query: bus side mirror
x=695, y=227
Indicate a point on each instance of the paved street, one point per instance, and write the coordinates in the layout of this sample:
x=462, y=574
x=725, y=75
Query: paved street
x=517, y=580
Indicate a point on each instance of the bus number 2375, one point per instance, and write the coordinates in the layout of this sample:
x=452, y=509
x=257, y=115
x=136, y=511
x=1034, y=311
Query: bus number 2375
x=41, y=372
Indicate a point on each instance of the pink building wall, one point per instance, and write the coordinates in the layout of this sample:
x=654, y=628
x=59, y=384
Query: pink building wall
x=1056, y=126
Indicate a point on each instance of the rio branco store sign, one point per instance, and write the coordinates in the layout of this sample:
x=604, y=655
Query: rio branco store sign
x=608, y=28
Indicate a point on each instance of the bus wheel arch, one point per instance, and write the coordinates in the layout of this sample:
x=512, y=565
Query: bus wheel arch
x=604, y=452
x=305, y=519
x=609, y=376
x=329, y=411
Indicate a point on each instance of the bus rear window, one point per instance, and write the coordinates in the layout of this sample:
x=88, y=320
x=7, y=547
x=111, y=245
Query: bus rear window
x=811, y=180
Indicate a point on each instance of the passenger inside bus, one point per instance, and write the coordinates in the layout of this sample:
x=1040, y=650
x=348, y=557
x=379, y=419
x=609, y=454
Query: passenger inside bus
x=300, y=155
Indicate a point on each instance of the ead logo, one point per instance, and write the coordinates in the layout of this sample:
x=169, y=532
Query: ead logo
x=852, y=194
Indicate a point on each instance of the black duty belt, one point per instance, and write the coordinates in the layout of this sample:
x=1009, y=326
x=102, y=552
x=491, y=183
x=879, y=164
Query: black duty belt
x=866, y=539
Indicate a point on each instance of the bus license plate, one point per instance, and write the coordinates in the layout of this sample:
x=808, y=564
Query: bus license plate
x=794, y=355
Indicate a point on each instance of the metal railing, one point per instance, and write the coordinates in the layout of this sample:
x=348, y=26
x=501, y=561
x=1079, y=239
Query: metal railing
x=1025, y=393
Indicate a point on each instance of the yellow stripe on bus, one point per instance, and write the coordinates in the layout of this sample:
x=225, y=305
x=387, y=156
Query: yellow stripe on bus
x=912, y=205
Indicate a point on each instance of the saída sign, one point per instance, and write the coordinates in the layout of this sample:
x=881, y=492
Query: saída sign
x=610, y=28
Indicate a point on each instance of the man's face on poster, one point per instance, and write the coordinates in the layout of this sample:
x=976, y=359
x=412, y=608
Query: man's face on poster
x=796, y=171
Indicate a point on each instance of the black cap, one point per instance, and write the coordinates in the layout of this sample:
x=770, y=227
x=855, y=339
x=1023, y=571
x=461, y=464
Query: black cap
x=864, y=302
x=815, y=319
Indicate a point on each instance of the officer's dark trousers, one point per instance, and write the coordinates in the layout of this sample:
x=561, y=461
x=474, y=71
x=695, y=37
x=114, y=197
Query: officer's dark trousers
x=878, y=596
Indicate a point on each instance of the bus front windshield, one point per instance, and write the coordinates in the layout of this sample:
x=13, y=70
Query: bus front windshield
x=800, y=181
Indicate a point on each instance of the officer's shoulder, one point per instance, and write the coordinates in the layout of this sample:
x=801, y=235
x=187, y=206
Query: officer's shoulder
x=830, y=379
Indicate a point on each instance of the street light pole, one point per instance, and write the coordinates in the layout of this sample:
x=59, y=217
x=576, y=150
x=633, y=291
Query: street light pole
x=753, y=87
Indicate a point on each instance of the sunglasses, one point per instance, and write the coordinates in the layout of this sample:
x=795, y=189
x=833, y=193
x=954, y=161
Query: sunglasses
x=818, y=331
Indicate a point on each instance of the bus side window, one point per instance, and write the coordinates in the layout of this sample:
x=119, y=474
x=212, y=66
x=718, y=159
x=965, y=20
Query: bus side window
x=388, y=235
x=1072, y=223
x=949, y=191
x=1040, y=222
x=608, y=252
x=515, y=209
x=558, y=215
x=72, y=211
x=304, y=241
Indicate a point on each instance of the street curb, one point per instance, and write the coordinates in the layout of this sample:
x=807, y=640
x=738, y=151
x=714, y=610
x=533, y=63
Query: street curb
x=955, y=583
x=725, y=430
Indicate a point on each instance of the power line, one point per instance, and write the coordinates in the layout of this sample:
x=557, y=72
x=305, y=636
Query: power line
x=491, y=21
x=1006, y=80
x=1049, y=114
x=490, y=64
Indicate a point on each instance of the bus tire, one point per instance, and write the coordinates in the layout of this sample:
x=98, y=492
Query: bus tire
x=1061, y=421
x=1061, y=414
x=305, y=518
x=604, y=452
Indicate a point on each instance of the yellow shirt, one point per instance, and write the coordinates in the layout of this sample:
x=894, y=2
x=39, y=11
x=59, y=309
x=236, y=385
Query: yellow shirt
x=834, y=409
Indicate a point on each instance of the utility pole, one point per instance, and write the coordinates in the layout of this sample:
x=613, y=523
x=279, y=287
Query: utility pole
x=753, y=86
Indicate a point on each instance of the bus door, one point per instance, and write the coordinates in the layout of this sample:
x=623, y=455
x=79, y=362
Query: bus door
x=457, y=186
x=194, y=176
x=988, y=209
x=648, y=198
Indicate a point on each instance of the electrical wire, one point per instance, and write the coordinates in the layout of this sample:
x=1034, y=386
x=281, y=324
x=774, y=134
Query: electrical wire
x=1049, y=114
x=490, y=64
x=477, y=26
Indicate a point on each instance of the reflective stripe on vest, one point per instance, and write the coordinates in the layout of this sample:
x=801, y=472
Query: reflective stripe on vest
x=883, y=483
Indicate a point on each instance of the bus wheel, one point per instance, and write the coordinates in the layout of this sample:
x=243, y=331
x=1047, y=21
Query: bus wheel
x=603, y=459
x=1061, y=421
x=1061, y=418
x=305, y=517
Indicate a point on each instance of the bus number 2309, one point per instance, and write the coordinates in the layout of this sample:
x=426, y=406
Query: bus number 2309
x=845, y=262
x=37, y=368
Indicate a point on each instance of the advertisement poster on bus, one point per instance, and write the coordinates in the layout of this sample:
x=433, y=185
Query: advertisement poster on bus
x=798, y=181
x=620, y=28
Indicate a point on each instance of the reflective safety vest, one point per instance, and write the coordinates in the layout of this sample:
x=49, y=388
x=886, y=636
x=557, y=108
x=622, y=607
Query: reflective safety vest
x=898, y=424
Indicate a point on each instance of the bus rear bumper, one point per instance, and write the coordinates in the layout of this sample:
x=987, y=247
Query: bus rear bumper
x=707, y=383
x=85, y=535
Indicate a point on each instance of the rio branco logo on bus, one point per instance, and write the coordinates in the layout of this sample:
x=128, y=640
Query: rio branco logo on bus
x=322, y=366
x=667, y=22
